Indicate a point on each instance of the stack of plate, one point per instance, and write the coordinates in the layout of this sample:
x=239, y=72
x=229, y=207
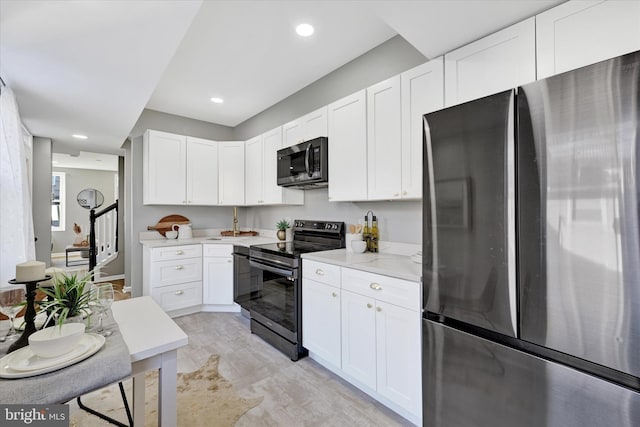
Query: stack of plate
x=24, y=363
x=417, y=257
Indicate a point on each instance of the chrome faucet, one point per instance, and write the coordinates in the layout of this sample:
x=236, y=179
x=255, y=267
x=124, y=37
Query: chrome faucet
x=236, y=232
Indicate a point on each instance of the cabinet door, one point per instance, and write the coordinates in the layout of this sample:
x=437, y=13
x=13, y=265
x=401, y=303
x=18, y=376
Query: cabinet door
x=348, y=148
x=271, y=143
x=579, y=33
x=253, y=171
x=422, y=90
x=218, y=280
x=314, y=124
x=292, y=133
x=164, y=173
x=231, y=173
x=384, y=140
x=399, y=364
x=321, y=320
x=359, y=338
x=202, y=172
x=492, y=64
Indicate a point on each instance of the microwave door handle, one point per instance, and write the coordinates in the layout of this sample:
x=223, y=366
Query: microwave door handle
x=306, y=160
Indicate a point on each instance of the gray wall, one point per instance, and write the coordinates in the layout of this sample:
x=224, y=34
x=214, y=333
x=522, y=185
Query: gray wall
x=77, y=180
x=140, y=216
x=386, y=60
x=41, y=197
x=399, y=221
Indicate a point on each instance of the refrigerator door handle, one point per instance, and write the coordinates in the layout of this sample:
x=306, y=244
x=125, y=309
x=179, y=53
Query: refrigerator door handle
x=432, y=203
x=511, y=214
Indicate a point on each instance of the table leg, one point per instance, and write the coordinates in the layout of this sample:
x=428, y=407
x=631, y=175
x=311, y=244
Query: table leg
x=167, y=390
x=66, y=258
x=138, y=399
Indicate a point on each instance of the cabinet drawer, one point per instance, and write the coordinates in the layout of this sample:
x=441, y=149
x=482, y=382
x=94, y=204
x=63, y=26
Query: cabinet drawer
x=178, y=296
x=400, y=292
x=321, y=272
x=176, y=252
x=171, y=272
x=217, y=250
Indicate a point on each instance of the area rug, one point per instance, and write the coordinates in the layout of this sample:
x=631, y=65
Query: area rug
x=205, y=398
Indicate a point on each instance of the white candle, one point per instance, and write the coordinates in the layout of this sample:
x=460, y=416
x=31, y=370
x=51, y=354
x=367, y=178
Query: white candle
x=30, y=271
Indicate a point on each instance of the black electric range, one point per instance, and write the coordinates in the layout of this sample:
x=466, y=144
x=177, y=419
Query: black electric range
x=275, y=304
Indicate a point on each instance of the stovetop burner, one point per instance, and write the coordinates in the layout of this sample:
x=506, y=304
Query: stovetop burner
x=308, y=236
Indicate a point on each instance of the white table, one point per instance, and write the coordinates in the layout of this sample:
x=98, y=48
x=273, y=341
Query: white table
x=153, y=339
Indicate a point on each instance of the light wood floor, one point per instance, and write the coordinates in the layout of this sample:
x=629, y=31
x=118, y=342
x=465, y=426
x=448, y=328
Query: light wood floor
x=299, y=393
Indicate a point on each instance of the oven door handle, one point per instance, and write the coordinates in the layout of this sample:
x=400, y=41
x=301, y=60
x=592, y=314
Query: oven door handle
x=266, y=267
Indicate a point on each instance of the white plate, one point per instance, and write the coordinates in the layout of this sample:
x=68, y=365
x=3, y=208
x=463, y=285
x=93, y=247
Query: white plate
x=26, y=360
x=94, y=343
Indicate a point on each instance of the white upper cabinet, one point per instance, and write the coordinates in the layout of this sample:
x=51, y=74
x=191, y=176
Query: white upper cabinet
x=164, y=168
x=384, y=136
x=231, y=173
x=202, y=171
x=253, y=171
x=492, y=64
x=261, y=186
x=271, y=143
x=347, y=119
x=179, y=170
x=422, y=92
x=307, y=127
x=579, y=33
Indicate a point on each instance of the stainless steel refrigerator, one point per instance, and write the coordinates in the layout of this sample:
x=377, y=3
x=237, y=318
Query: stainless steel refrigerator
x=531, y=249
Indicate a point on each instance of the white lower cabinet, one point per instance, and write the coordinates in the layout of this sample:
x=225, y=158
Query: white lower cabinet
x=217, y=275
x=321, y=320
x=365, y=327
x=172, y=275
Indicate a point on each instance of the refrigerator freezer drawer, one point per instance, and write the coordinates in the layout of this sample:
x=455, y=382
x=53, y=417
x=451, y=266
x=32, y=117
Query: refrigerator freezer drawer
x=469, y=381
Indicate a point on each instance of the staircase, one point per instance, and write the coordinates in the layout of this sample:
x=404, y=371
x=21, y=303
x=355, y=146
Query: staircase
x=103, y=236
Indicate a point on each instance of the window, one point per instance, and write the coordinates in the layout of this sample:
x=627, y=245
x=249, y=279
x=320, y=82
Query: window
x=58, y=201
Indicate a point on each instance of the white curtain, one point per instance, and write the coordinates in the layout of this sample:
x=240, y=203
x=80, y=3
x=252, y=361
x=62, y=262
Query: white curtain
x=16, y=221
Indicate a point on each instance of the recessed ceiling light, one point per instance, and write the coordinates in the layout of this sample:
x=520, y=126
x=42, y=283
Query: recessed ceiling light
x=304, y=30
x=79, y=136
x=217, y=100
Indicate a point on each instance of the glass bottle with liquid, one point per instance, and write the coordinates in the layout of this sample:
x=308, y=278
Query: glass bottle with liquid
x=375, y=233
x=366, y=233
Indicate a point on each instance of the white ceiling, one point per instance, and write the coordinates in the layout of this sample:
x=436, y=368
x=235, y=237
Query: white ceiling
x=91, y=67
x=84, y=160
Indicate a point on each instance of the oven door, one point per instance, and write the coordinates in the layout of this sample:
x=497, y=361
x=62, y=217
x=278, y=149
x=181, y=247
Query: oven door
x=274, y=306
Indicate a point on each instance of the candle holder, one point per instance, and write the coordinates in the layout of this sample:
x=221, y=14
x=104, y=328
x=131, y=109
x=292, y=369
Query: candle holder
x=29, y=315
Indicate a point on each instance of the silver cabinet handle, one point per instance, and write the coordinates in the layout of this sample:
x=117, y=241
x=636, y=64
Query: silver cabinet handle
x=179, y=252
x=375, y=287
x=229, y=260
x=396, y=194
x=319, y=272
x=178, y=292
x=184, y=202
x=369, y=305
x=179, y=267
x=404, y=193
x=333, y=294
x=378, y=309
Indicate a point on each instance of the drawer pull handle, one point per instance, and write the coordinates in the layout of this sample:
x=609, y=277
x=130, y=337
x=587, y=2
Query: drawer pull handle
x=178, y=292
x=179, y=252
x=378, y=309
x=229, y=260
x=369, y=305
x=319, y=272
x=375, y=287
x=179, y=267
x=333, y=294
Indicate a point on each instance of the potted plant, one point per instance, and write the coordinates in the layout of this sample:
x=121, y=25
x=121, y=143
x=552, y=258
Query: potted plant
x=282, y=226
x=67, y=297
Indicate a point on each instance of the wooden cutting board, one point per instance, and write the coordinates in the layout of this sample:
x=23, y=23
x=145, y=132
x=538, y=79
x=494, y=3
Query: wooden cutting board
x=167, y=222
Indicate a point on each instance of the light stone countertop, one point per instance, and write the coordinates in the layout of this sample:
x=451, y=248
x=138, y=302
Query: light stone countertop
x=388, y=264
x=242, y=241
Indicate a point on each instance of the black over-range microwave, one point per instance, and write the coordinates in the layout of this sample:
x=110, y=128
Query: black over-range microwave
x=304, y=165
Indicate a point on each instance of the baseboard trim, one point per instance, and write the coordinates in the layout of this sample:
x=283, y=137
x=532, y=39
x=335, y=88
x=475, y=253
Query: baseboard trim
x=114, y=277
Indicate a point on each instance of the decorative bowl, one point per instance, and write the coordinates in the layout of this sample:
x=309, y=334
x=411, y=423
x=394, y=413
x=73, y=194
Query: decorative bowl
x=358, y=246
x=56, y=340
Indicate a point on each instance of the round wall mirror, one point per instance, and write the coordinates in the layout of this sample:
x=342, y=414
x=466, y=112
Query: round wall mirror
x=90, y=198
